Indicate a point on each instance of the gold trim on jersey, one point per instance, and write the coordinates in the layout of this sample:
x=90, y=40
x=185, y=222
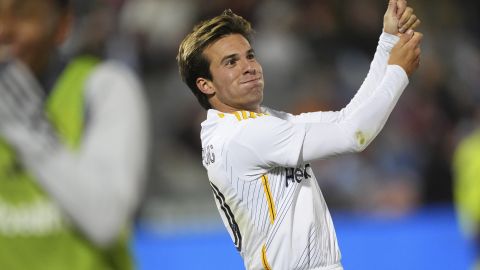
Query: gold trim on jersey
x=244, y=115
x=268, y=194
x=266, y=265
x=237, y=114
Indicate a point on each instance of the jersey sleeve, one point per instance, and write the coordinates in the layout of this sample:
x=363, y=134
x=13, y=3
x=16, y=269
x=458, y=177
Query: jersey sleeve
x=265, y=143
x=371, y=83
x=355, y=131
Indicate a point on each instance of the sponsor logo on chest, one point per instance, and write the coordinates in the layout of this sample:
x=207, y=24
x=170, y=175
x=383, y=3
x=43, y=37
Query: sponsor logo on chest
x=297, y=175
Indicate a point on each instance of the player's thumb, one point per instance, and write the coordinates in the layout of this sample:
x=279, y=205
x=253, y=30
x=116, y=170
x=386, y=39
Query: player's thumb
x=404, y=38
x=392, y=7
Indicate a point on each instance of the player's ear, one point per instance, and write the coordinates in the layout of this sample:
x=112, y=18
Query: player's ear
x=205, y=86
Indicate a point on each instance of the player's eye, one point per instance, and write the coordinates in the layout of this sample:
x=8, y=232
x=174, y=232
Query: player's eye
x=231, y=62
x=251, y=56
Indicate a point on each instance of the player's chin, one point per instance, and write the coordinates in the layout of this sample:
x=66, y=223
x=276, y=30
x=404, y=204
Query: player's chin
x=255, y=98
x=256, y=94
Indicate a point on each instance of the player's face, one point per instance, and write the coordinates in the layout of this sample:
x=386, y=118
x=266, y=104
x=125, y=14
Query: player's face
x=237, y=77
x=28, y=31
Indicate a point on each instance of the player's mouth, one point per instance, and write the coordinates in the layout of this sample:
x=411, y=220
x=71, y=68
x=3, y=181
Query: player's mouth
x=252, y=80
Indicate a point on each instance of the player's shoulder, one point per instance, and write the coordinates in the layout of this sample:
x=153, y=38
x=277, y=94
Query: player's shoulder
x=278, y=114
x=225, y=126
x=241, y=122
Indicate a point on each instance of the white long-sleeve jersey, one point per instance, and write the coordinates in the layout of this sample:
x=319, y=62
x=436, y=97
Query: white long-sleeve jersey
x=264, y=187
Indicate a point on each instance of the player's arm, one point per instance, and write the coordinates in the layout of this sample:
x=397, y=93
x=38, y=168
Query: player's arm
x=269, y=142
x=97, y=186
x=397, y=19
x=356, y=131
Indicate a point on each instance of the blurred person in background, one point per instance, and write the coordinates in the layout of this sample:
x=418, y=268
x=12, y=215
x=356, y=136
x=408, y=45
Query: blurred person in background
x=466, y=168
x=73, y=146
x=258, y=158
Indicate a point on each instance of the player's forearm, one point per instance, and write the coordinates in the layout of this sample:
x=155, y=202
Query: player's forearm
x=376, y=73
x=372, y=80
x=357, y=130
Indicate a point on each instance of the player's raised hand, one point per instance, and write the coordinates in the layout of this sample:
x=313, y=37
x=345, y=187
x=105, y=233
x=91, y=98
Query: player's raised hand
x=399, y=17
x=406, y=52
x=408, y=20
x=390, y=19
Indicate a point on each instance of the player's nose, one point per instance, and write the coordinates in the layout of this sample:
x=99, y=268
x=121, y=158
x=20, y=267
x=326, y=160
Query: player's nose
x=250, y=67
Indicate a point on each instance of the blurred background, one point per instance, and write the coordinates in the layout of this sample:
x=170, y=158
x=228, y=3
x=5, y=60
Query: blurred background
x=392, y=205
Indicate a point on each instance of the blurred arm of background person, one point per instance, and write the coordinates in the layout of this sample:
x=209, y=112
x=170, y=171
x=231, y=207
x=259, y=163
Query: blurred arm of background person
x=78, y=144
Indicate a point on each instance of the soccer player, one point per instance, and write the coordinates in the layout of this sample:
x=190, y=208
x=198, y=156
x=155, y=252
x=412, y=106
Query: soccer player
x=73, y=145
x=257, y=158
